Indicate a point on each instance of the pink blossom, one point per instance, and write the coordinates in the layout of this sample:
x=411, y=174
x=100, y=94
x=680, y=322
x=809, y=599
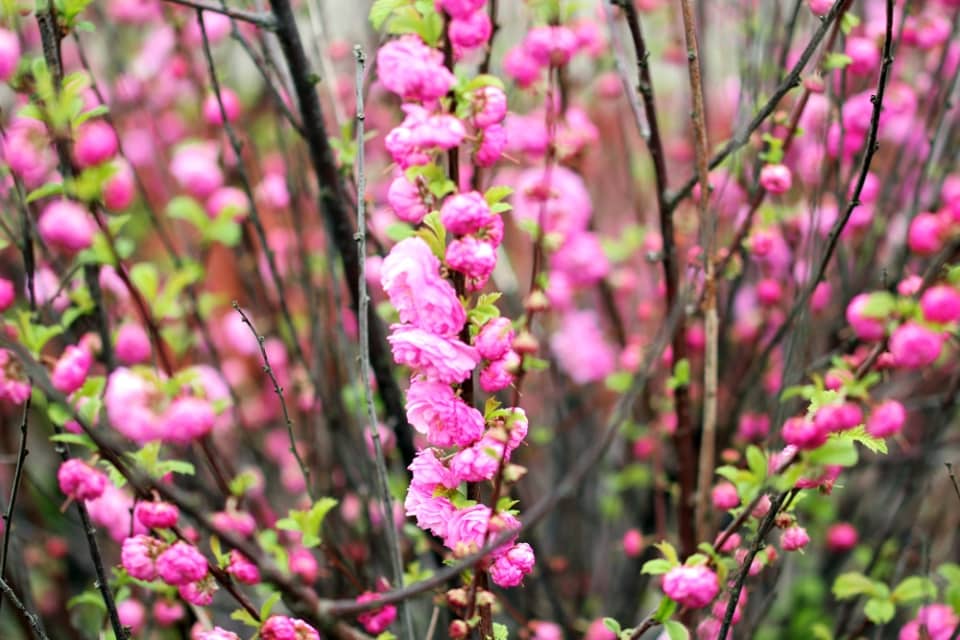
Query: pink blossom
x=242, y=569
x=376, y=621
x=476, y=463
x=167, y=612
x=470, y=31
x=8, y=294
x=925, y=236
x=431, y=512
x=66, y=225
x=180, y=564
x=132, y=614
x=284, y=628
x=820, y=7
x=435, y=357
x=157, y=515
x=410, y=276
x=405, y=199
x=118, y=190
x=435, y=410
x=940, y=304
x=187, y=419
x=938, y=620
x=199, y=593
x=217, y=633
x=886, y=419
x=138, y=556
x=461, y=8
x=127, y=400
x=467, y=213
x=550, y=45
x=864, y=56
x=724, y=496
x=582, y=259
x=510, y=567
x=776, y=178
x=581, y=349
x=472, y=257
x=303, y=564
x=794, y=538
x=112, y=512
x=211, y=107
x=412, y=70
x=521, y=66
x=841, y=536
x=133, y=344
x=428, y=472
x=229, y=201
x=80, y=481
x=693, y=587
x=865, y=326
x=493, y=140
x=96, y=142
x=598, y=631
x=499, y=374
x=489, y=105
x=914, y=346
x=561, y=195
x=71, y=369
x=632, y=543
x=9, y=54
x=803, y=433
x=494, y=338
x=753, y=426
x=196, y=168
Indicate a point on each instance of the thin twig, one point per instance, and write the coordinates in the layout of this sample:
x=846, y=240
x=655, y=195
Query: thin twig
x=262, y=20
x=953, y=478
x=29, y=615
x=383, y=488
x=267, y=369
x=14, y=490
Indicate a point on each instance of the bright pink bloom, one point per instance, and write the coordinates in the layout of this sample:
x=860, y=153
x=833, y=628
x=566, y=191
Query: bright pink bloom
x=133, y=344
x=471, y=31
x=8, y=294
x=71, y=369
x=118, y=190
x=567, y=208
x=428, y=472
x=302, y=563
x=96, y=143
x=218, y=633
x=138, y=556
x=521, y=66
x=80, y=481
x=476, y=463
x=431, y=512
x=794, y=538
x=632, y=543
x=581, y=349
x=776, y=178
x=211, y=107
x=914, y=346
x=376, y=621
x=493, y=140
x=753, y=426
x=9, y=54
x=494, y=338
x=550, y=45
x=886, y=419
x=435, y=357
x=925, y=236
x=489, y=105
x=284, y=628
x=412, y=70
x=472, y=257
x=692, y=587
x=157, y=515
x=180, y=564
x=242, y=569
x=581, y=259
x=405, y=199
x=841, y=536
x=167, y=612
x=599, y=631
x=199, y=593
x=410, y=276
x=803, y=433
x=938, y=620
x=467, y=213
x=461, y=8
x=865, y=326
x=864, y=56
x=435, y=410
x=187, y=419
x=229, y=201
x=509, y=569
x=499, y=374
x=132, y=614
x=724, y=496
x=940, y=304
x=196, y=168
x=66, y=225
x=820, y=7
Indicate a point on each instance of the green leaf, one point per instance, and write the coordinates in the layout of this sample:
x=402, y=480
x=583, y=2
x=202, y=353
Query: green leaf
x=757, y=461
x=681, y=374
x=381, y=11
x=879, y=611
x=836, y=60
x=500, y=631
x=434, y=234
x=665, y=609
x=49, y=189
x=656, y=567
x=619, y=382
x=146, y=278
x=850, y=585
x=400, y=231
x=96, y=112
x=675, y=630
x=668, y=551
x=837, y=450
x=80, y=439
x=848, y=22
x=268, y=605
x=950, y=572
x=87, y=598
x=879, y=305
x=612, y=624
x=859, y=434
x=914, y=588
x=308, y=523
x=244, y=616
x=495, y=194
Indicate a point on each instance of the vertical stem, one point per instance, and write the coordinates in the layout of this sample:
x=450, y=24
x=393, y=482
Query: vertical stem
x=14, y=490
x=364, y=300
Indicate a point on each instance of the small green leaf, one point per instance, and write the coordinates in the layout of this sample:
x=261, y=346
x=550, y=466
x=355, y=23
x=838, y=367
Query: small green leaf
x=619, y=382
x=612, y=624
x=879, y=611
x=80, y=439
x=500, y=631
x=837, y=450
x=669, y=552
x=850, y=585
x=268, y=605
x=495, y=194
x=242, y=615
x=914, y=588
x=381, y=11
x=836, y=60
x=675, y=630
x=665, y=609
x=656, y=567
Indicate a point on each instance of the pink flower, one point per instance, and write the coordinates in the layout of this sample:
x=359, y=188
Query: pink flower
x=925, y=236
x=303, y=564
x=489, y=105
x=435, y=357
x=410, y=276
x=284, y=628
x=461, y=8
x=428, y=472
x=632, y=543
x=405, y=198
x=841, y=536
x=112, y=512
x=71, y=369
x=692, y=587
x=412, y=70
x=725, y=496
x=132, y=614
x=199, y=593
x=493, y=140
x=96, y=143
x=938, y=620
x=470, y=31
x=133, y=344
x=581, y=258
x=865, y=326
x=66, y=225
x=510, y=567
x=8, y=294
x=521, y=66
x=431, y=512
x=9, y=54
x=242, y=569
x=435, y=410
x=940, y=304
x=914, y=346
x=562, y=196
x=803, y=433
x=180, y=564
x=794, y=538
x=467, y=526
x=229, y=201
x=211, y=107
x=472, y=257
x=196, y=168
x=187, y=419
x=376, y=621
x=776, y=178
x=886, y=419
x=138, y=556
x=469, y=214
x=167, y=612
x=864, y=56
x=499, y=374
x=820, y=7
x=494, y=338
x=127, y=400
x=80, y=481
x=118, y=190
x=753, y=426
x=550, y=45
x=156, y=515
x=581, y=349
x=476, y=463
